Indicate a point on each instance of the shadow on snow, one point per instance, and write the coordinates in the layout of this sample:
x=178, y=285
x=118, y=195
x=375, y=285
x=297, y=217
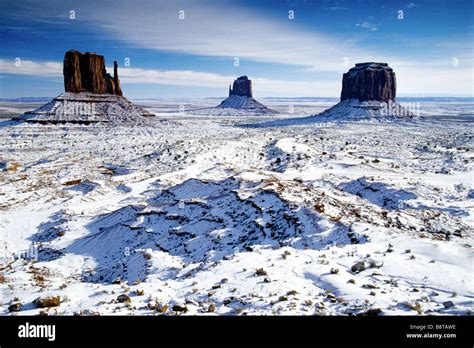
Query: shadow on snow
x=197, y=222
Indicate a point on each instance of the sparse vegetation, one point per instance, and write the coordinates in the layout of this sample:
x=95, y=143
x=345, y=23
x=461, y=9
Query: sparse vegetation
x=48, y=301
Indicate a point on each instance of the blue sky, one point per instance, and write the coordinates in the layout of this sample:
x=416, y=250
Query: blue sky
x=430, y=47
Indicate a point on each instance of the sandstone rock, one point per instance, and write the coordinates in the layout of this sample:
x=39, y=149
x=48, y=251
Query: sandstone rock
x=372, y=312
x=358, y=267
x=369, y=81
x=72, y=72
x=109, y=84
x=362, y=265
x=44, y=302
x=162, y=309
x=179, y=308
x=123, y=298
x=92, y=97
x=212, y=308
x=72, y=182
x=118, y=89
x=228, y=300
x=239, y=102
x=242, y=87
x=93, y=73
x=85, y=72
x=15, y=307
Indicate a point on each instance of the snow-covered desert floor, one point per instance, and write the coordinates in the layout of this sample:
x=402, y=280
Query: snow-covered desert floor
x=235, y=215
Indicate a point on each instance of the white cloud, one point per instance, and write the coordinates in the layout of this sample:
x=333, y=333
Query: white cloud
x=367, y=25
x=434, y=77
x=225, y=30
x=221, y=29
x=189, y=78
x=413, y=77
x=31, y=68
x=336, y=8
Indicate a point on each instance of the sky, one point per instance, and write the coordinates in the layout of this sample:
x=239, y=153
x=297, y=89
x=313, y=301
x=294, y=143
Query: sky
x=191, y=48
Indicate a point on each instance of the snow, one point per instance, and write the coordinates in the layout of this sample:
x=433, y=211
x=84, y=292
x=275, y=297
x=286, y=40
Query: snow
x=88, y=108
x=188, y=207
x=354, y=109
x=249, y=104
x=235, y=105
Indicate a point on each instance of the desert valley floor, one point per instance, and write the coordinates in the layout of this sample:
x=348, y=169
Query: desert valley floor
x=237, y=215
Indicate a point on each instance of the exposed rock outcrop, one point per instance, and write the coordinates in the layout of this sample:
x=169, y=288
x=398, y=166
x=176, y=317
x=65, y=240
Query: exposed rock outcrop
x=241, y=102
x=85, y=72
x=368, y=90
x=118, y=89
x=369, y=81
x=241, y=87
x=92, y=96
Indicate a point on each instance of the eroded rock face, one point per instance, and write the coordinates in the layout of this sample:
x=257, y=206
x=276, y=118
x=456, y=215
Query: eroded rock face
x=118, y=89
x=72, y=72
x=85, y=72
x=241, y=87
x=369, y=81
x=109, y=84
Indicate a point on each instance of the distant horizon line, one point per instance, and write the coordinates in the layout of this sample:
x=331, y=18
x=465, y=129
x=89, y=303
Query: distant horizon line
x=420, y=96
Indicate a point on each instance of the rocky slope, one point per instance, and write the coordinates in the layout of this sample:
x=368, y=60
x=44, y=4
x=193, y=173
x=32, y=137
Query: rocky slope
x=88, y=108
